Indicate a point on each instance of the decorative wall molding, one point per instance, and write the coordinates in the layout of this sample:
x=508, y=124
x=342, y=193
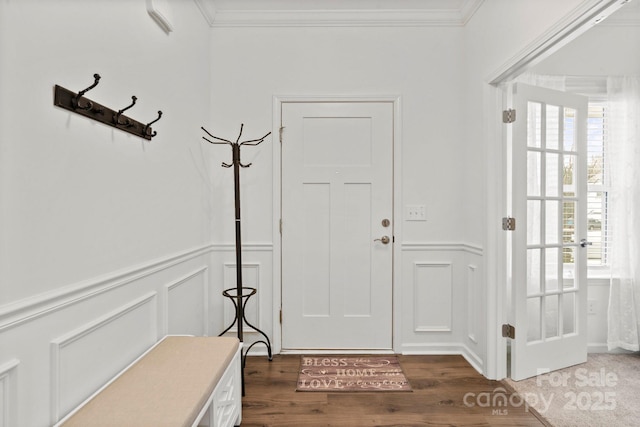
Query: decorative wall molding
x=432, y=296
x=208, y=10
x=203, y=297
x=8, y=393
x=246, y=247
x=14, y=314
x=60, y=346
x=473, y=359
x=442, y=247
x=273, y=15
x=338, y=18
x=473, y=299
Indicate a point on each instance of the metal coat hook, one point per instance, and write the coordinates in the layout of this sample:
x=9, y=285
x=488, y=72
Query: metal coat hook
x=119, y=113
x=76, y=100
x=146, y=127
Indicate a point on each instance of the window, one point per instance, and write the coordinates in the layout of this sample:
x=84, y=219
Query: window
x=597, y=224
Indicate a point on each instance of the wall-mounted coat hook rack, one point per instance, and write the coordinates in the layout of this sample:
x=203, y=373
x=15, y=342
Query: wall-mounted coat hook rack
x=78, y=103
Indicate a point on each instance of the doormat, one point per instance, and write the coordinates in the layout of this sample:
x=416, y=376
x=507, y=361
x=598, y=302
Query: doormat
x=348, y=374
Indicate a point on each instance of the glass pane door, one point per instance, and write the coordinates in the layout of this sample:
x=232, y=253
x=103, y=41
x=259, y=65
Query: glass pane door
x=549, y=268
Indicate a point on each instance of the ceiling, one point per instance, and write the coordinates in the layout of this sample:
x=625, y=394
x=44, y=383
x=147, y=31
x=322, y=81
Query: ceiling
x=221, y=13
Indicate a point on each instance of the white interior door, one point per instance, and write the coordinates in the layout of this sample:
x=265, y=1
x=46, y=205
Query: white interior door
x=549, y=280
x=337, y=225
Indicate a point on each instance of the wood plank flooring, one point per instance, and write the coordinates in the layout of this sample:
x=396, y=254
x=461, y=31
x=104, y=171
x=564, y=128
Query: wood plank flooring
x=439, y=384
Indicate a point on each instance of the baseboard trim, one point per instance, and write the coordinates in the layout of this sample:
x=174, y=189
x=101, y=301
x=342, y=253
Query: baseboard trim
x=446, y=349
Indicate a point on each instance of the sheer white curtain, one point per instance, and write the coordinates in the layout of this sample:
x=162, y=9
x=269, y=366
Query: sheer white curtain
x=623, y=166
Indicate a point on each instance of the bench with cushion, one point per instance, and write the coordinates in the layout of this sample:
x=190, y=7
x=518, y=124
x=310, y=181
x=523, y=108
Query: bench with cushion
x=181, y=381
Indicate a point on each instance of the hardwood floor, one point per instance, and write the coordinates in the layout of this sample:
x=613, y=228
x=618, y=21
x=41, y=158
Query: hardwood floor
x=440, y=384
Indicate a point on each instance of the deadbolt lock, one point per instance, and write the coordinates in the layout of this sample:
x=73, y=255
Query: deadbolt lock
x=386, y=222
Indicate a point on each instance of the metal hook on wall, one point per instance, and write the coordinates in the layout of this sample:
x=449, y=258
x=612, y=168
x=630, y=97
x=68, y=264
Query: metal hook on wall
x=77, y=103
x=76, y=100
x=147, y=128
x=119, y=113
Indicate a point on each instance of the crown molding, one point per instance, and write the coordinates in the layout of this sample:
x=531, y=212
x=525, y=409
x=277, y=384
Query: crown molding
x=208, y=10
x=338, y=17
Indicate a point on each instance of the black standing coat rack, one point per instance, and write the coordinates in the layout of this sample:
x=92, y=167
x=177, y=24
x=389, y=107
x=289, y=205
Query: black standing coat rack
x=240, y=295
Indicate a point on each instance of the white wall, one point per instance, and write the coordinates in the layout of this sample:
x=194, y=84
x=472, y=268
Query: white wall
x=422, y=65
x=440, y=73
x=79, y=198
x=104, y=238
x=425, y=68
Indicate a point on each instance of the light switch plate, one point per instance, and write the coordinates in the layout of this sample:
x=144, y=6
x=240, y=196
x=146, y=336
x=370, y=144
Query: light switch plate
x=415, y=213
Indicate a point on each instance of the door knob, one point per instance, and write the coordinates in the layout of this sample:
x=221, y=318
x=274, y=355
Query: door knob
x=383, y=239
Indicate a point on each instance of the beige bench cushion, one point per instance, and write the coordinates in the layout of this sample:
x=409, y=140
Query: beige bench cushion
x=167, y=387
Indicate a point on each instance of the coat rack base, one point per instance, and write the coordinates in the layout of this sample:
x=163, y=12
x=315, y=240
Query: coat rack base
x=241, y=299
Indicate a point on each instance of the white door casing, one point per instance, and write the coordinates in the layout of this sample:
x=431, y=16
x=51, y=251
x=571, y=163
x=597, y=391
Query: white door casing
x=549, y=203
x=336, y=190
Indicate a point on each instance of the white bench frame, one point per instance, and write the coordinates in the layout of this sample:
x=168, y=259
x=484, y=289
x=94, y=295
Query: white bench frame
x=221, y=408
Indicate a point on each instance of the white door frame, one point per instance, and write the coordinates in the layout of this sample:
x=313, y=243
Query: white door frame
x=278, y=100
x=495, y=100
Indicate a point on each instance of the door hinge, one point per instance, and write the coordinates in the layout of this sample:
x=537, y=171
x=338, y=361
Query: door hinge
x=281, y=130
x=281, y=226
x=509, y=116
x=508, y=331
x=281, y=316
x=508, y=223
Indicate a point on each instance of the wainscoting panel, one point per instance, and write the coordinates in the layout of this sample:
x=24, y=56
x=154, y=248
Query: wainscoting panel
x=473, y=301
x=8, y=395
x=433, y=288
x=441, y=295
x=187, y=304
x=257, y=272
x=76, y=356
x=251, y=279
x=71, y=341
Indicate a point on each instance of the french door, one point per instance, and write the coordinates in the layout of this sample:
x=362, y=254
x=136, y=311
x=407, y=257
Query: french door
x=549, y=283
